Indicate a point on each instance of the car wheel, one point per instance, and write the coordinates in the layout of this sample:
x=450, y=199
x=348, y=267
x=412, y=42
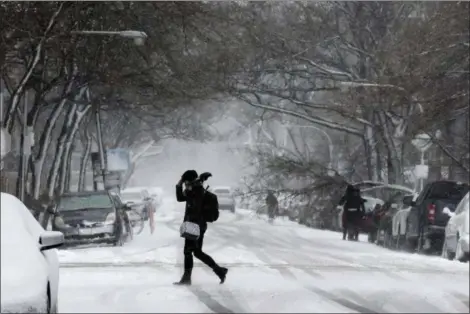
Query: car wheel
x=387, y=241
x=54, y=308
x=459, y=253
x=119, y=237
x=118, y=241
x=50, y=308
x=398, y=240
x=410, y=244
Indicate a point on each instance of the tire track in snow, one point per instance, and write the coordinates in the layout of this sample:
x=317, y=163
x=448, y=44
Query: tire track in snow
x=313, y=266
x=462, y=298
x=227, y=296
x=207, y=299
x=341, y=301
x=261, y=255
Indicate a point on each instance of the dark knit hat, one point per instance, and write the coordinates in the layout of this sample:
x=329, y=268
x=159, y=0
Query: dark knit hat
x=189, y=175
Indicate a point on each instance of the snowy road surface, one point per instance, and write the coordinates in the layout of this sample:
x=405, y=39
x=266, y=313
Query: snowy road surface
x=278, y=268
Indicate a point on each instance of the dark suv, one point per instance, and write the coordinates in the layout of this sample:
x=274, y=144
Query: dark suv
x=91, y=217
x=426, y=222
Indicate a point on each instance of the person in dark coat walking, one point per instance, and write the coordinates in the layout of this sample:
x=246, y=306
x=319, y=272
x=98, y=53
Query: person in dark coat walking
x=272, y=205
x=193, y=195
x=353, y=209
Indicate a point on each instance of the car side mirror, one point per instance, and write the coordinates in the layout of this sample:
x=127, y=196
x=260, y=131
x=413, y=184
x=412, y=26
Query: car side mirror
x=51, y=240
x=447, y=211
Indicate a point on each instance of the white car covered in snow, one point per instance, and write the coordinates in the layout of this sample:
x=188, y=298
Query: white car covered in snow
x=457, y=232
x=30, y=267
x=225, y=197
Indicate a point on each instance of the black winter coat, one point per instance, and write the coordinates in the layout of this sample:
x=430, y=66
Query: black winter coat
x=194, y=201
x=353, y=200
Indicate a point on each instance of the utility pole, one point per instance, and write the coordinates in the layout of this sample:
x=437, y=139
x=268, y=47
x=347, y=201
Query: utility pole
x=100, y=142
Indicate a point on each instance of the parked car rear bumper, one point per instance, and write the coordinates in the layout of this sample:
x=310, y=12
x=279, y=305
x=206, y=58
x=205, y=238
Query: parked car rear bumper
x=227, y=206
x=434, y=231
x=95, y=239
x=103, y=235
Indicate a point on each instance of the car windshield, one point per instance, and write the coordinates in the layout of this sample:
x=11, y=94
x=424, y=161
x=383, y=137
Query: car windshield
x=221, y=191
x=69, y=203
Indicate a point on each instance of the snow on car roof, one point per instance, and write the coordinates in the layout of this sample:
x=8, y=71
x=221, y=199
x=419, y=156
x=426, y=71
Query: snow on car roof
x=221, y=188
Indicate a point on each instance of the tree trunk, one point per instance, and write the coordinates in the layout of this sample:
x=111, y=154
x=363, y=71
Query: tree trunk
x=60, y=150
x=20, y=176
x=128, y=175
x=391, y=145
x=68, y=175
x=15, y=99
x=78, y=118
x=45, y=140
x=370, y=150
x=33, y=174
x=378, y=165
x=84, y=161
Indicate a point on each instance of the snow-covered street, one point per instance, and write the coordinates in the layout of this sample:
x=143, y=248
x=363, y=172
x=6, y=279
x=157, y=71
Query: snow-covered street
x=282, y=267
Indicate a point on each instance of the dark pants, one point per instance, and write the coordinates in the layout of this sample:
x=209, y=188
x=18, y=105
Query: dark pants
x=350, y=220
x=194, y=247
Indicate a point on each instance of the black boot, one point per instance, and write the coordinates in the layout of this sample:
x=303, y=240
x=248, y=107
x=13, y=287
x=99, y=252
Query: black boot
x=221, y=272
x=185, y=280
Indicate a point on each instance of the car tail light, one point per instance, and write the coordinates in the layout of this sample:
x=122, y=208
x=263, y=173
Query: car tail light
x=431, y=213
x=110, y=219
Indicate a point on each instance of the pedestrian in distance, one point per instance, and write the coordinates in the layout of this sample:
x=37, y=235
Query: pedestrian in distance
x=201, y=207
x=353, y=211
x=272, y=205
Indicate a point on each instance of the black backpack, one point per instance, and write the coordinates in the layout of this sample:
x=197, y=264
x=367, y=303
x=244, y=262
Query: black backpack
x=210, y=207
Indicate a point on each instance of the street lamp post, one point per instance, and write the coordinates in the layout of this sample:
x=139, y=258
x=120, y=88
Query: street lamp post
x=139, y=39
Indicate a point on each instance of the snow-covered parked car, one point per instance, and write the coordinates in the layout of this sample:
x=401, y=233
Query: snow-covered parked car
x=457, y=232
x=30, y=267
x=92, y=217
x=225, y=197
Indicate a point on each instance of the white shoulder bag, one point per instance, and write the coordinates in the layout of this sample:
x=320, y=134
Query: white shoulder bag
x=190, y=230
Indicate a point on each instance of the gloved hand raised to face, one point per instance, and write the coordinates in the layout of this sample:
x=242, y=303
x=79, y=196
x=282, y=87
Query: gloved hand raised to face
x=204, y=176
